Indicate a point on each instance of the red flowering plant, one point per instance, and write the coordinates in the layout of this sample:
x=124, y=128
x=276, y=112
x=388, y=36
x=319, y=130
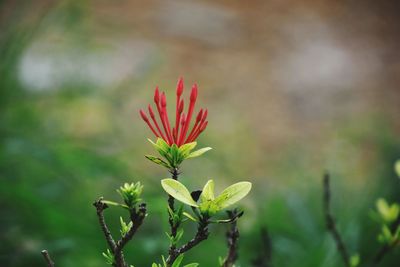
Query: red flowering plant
x=175, y=143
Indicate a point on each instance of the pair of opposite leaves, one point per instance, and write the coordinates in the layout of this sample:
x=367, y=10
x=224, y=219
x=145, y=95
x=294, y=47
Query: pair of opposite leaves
x=208, y=202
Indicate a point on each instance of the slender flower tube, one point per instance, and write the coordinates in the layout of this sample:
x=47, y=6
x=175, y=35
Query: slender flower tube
x=196, y=124
x=144, y=117
x=179, y=134
x=153, y=118
x=179, y=91
x=198, y=129
x=193, y=97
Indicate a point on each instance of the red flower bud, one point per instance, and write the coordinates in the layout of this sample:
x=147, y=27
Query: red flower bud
x=179, y=87
x=203, y=126
x=157, y=96
x=181, y=105
x=180, y=133
x=143, y=115
x=151, y=112
x=183, y=119
x=204, y=115
x=200, y=115
x=193, y=93
x=163, y=100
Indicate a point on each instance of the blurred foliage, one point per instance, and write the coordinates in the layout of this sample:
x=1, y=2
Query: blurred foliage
x=62, y=148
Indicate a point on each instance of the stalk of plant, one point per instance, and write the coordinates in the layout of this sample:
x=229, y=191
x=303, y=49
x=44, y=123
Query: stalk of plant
x=175, y=144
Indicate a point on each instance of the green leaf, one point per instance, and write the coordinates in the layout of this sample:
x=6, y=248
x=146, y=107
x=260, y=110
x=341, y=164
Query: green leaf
x=208, y=192
x=175, y=155
x=195, y=264
x=163, y=260
x=112, y=203
x=158, y=161
x=232, y=194
x=188, y=215
x=209, y=207
x=162, y=147
x=178, y=191
x=355, y=260
x=125, y=227
x=109, y=257
x=178, y=261
x=388, y=213
x=397, y=167
x=386, y=235
x=199, y=152
x=186, y=148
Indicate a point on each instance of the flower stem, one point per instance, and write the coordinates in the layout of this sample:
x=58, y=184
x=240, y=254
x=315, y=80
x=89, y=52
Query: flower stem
x=171, y=204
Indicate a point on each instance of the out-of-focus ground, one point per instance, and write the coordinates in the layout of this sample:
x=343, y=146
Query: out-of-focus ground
x=293, y=88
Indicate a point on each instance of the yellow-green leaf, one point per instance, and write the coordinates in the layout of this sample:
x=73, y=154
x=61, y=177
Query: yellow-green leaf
x=388, y=213
x=186, y=148
x=178, y=191
x=188, y=215
x=199, y=152
x=232, y=194
x=208, y=192
x=162, y=144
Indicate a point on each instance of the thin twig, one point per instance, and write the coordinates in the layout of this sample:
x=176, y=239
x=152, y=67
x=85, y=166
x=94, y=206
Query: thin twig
x=331, y=225
x=202, y=234
x=47, y=258
x=136, y=217
x=232, y=236
x=265, y=257
x=100, y=207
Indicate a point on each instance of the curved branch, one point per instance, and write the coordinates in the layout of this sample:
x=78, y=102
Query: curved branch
x=47, y=258
x=100, y=207
x=331, y=225
x=202, y=234
x=136, y=217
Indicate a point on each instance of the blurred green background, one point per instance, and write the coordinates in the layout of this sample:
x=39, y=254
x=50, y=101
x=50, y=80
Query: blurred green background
x=293, y=88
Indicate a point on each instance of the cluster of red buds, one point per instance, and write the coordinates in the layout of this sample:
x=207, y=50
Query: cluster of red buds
x=179, y=134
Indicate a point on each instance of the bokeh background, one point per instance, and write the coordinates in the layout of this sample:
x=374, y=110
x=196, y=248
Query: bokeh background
x=293, y=88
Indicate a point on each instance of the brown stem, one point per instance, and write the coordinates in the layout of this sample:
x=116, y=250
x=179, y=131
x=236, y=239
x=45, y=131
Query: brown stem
x=232, y=236
x=136, y=217
x=331, y=225
x=202, y=234
x=100, y=207
x=47, y=258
